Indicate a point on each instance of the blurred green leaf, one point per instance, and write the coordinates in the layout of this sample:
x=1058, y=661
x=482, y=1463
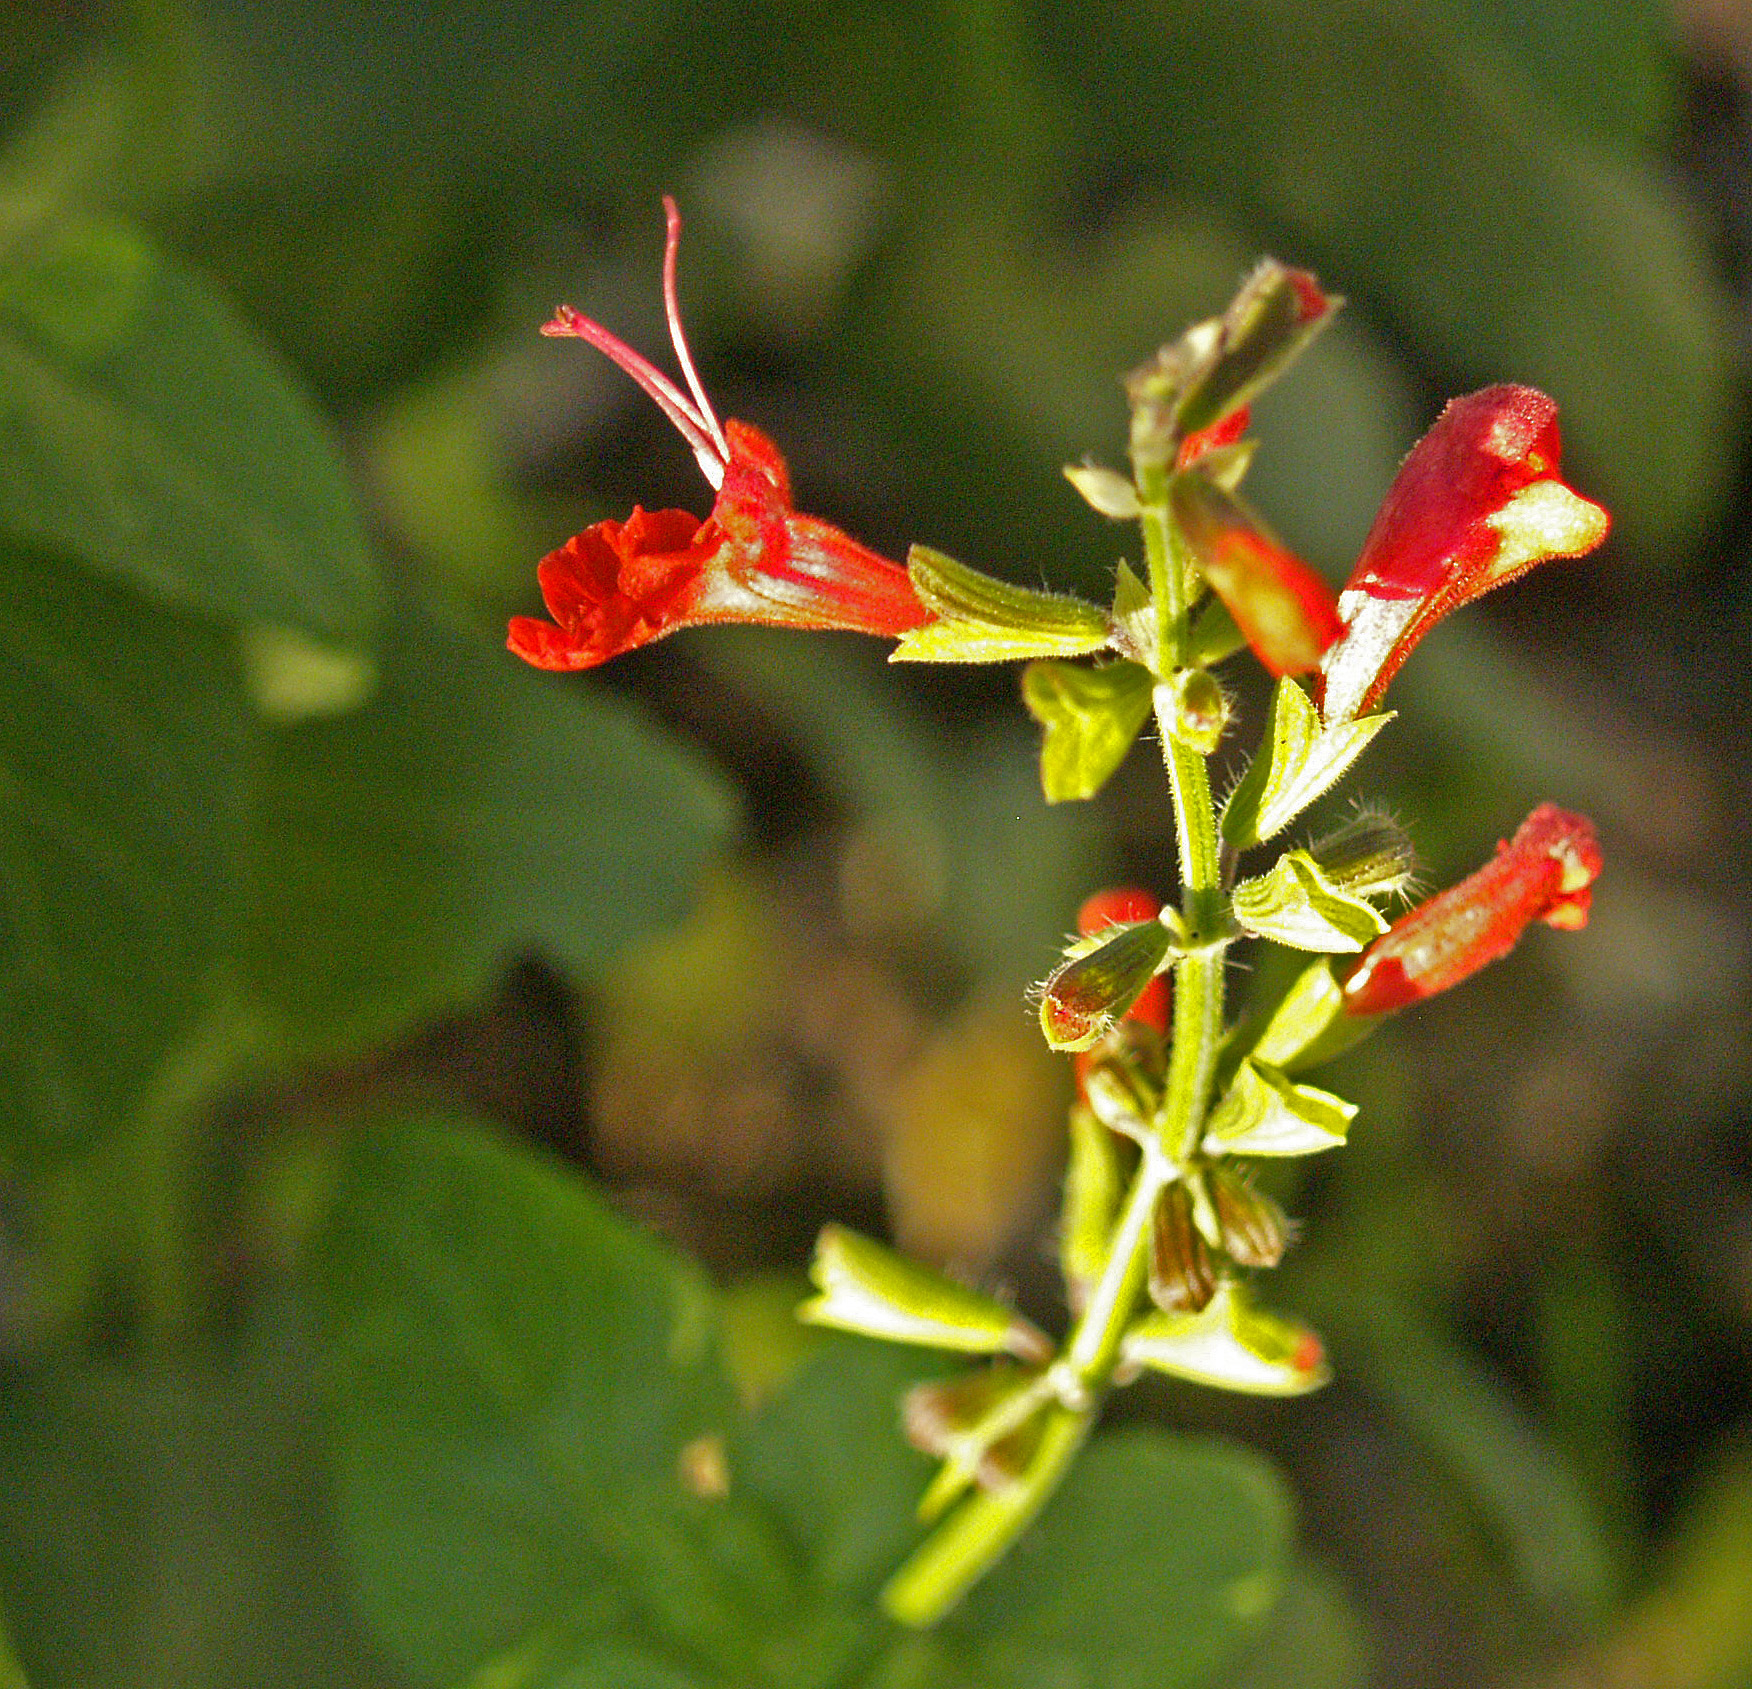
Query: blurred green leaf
x=517, y=1377
x=1692, y=1616
x=1091, y=716
x=122, y=757
x=164, y=1526
x=515, y=1372
x=1612, y=69
x=1519, y=1482
x=11, y=1672
x=828, y=1462
x=472, y=809
x=146, y=431
x=1437, y=182
x=1317, y=1639
x=1156, y=1562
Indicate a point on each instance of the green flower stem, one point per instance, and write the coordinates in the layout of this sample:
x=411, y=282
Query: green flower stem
x=1198, y=976
x=972, y=1539
x=1094, y=1342
x=1162, y=551
x=982, y=1528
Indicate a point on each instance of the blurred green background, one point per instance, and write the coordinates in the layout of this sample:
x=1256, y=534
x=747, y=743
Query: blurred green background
x=741, y=925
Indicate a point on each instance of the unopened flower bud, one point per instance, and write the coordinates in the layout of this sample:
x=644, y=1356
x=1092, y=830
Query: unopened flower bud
x=1285, y=609
x=1181, y=1277
x=1194, y=709
x=1118, y=1095
x=1083, y=997
x=1254, y=1228
x=1219, y=366
x=1106, y=491
x=976, y=1426
x=1370, y=856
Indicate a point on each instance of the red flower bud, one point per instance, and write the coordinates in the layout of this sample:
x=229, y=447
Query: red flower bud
x=1286, y=611
x=1544, y=873
x=619, y=585
x=1207, y=440
x=1478, y=502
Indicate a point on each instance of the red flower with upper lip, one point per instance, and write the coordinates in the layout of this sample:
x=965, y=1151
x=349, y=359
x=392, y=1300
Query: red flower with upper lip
x=619, y=585
x=1478, y=502
x=1544, y=873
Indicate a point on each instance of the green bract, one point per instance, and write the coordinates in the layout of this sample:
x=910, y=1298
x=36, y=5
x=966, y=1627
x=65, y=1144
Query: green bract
x=1091, y=716
x=1298, y=905
x=867, y=1288
x=1302, y=761
x=1231, y=1344
x=979, y=619
x=1265, y=1112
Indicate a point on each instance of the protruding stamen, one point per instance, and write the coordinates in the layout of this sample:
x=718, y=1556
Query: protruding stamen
x=678, y=339
x=693, y=417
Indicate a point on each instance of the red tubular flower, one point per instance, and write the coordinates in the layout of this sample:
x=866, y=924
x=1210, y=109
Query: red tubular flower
x=1478, y=502
x=1544, y=873
x=619, y=585
x=1285, y=610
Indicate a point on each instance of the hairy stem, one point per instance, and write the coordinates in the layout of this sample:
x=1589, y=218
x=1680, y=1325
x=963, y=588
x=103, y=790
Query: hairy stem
x=1162, y=551
x=980, y=1531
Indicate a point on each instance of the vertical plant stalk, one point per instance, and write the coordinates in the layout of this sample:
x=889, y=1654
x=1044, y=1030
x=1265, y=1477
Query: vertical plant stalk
x=981, y=1530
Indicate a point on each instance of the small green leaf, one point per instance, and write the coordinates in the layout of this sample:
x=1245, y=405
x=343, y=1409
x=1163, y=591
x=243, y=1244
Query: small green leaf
x=868, y=1288
x=980, y=619
x=1229, y=1344
x=1265, y=1113
x=1134, y=617
x=1296, y=904
x=122, y=765
x=1158, y=1560
x=1091, y=716
x=471, y=809
x=1302, y=761
x=148, y=431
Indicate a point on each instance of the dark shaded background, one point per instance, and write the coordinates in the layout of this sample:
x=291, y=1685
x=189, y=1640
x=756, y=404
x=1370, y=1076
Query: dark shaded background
x=922, y=241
